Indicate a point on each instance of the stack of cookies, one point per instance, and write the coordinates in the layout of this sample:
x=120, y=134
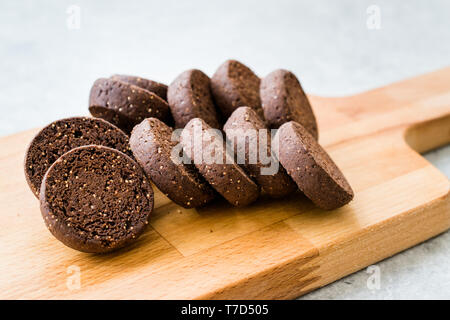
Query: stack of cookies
x=93, y=175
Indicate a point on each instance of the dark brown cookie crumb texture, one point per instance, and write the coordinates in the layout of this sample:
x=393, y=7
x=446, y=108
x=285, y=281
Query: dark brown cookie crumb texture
x=311, y=167
x=157, y=88
x=152, y=147
x=234, y=85
x=284, y=100
x=96, y=199
x=63, y=135
x=189, y=97
x=227, y=178
x=124, y=104
x=242, y=130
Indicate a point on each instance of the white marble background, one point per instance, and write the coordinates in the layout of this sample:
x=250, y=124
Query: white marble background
x=47, y=67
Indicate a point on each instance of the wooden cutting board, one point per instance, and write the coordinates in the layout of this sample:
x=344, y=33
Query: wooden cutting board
x=272, y=249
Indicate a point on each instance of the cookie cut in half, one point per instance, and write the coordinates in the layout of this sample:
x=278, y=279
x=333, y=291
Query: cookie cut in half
x=152, y=145
x=96, y=199
x=311, y=167
x=189, y=97
x=284, y=100
x=207, y=149
x=63, y=135
x=125, y=105
x=248, y=133
x=234, y=85
x=157, y=88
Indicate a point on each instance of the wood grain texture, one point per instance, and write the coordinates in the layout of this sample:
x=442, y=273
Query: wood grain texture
x=274, y=249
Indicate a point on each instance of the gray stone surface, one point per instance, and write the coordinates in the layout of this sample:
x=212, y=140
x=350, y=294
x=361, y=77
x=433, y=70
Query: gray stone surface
x=48, y=68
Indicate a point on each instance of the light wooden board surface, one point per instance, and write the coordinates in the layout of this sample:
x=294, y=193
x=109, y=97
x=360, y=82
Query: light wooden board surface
x=271, y=249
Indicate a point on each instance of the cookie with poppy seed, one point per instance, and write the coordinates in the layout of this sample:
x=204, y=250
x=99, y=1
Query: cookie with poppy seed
x=152, y=146
x=124, y=104
x=284, y=100
x=248, y=134
x=208, y=151
x=96, y=199
x=311, y=167
x=189, y=97
x=112, y=117
x=64, y=135
x=234, y=85
x=157, y=88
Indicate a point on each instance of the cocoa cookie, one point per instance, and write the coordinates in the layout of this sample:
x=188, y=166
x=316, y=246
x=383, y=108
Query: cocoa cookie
x=283, y=100
x=152, y=145
x=63, y=135
x=157, y=88
x=311, y=167
x=210, y=155
x=96, y=199
x=248, y=133
x=234, y=85
x=189, y=97
x=112, y=117
x=124, y=104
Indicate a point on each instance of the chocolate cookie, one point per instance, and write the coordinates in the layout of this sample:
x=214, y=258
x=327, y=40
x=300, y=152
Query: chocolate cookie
x=246, y=131
x=234, y=85
x=311, y=167
x=208, y=151
x=124, y=104
x=189, y=97
x=112, y=117
x=96, y=199
x=283, y=100
x=152, y=147
x=63, y=135
x=157, y=88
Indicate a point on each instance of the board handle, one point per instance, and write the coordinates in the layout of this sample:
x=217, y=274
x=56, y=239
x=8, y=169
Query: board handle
x=418, y=108
x=428, y=135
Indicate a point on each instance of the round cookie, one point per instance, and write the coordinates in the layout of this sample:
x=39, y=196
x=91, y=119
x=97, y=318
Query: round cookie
x=112, y=117
x=157, y=88
x=311, y=167
x=152, y=147
x=234, y=85
x=189, y=97
x=242, y=129
x=96, y=199
x=284, y=100
x=206, y=147
x=124, y=104
x=63, y=135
